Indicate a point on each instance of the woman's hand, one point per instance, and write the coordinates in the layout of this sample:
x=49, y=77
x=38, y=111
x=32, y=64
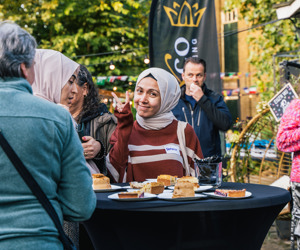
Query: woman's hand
x=120, y=105
x=91, y=147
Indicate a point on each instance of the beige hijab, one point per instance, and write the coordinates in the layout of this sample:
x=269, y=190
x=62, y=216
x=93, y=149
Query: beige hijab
x=52, y=71
x=170, y=94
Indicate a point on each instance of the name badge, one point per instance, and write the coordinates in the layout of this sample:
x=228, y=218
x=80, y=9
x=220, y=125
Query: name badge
x=172, y=150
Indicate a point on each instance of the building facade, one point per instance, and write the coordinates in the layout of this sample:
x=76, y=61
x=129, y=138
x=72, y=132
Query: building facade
x=239, y=90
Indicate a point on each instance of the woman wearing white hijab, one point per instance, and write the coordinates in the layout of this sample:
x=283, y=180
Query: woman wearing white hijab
x=153, y=144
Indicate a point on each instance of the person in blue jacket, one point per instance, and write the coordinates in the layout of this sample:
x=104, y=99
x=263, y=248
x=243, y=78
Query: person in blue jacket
x=201, y=107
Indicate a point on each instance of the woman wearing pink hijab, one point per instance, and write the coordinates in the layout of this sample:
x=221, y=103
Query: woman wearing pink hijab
x=55, y=76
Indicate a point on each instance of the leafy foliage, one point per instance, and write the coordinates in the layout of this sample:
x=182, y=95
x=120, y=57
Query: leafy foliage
x=92, y=32
x=266, y=40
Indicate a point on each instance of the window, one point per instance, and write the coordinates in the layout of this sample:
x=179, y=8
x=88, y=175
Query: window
x=229, y=20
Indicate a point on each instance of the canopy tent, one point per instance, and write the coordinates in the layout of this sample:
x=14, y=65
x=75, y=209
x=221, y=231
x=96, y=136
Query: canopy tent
x=288, y=9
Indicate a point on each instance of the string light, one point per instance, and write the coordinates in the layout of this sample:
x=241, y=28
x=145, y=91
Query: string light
x=111, y=66
x=114, y=88
x=109, y=53
x=146, y=60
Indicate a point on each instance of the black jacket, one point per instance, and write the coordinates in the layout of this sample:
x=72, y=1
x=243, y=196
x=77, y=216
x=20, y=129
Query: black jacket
x=100, y=124
x=209, y=115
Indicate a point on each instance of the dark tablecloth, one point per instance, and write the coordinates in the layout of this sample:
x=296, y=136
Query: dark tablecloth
x=202, y=224
x=262, y=196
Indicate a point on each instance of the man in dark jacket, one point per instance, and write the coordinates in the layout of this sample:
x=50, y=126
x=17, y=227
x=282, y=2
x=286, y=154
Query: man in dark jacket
x=201, y=107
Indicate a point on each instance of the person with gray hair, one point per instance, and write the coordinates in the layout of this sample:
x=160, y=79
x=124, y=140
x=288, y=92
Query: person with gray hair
x=42, y=135
x=17, y=51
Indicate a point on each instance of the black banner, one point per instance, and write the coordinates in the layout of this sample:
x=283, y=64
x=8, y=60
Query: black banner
x=182, y=28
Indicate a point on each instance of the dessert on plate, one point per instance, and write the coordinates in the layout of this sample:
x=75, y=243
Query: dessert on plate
x=166, y=179
x=183, y=189
x=153, y=188
x=133, y=194
x=136, y=184
x=100, y=181
x=231, y=192
x=191, y=179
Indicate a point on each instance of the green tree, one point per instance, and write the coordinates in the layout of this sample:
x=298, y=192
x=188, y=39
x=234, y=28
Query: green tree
x=265, y=40
x=93, y=32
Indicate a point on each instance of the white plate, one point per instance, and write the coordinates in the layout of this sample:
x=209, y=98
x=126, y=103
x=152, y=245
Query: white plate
x=165, y=191
x=146, y=197
x=168, y=196
x=132, y=189
x=151, y=180
x=126, y=187
x=198, y=190
x=213, y=195
x=112, y=189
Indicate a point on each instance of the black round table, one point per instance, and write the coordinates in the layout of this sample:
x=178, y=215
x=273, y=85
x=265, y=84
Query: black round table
x=201, y=224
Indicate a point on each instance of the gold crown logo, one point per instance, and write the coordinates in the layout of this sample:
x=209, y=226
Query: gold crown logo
x=191, y=19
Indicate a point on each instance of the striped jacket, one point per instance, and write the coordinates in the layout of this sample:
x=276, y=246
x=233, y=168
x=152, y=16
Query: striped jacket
x=138, y=154
x=288, y=136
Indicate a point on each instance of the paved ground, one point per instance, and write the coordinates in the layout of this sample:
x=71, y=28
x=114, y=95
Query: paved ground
x=273, y=242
